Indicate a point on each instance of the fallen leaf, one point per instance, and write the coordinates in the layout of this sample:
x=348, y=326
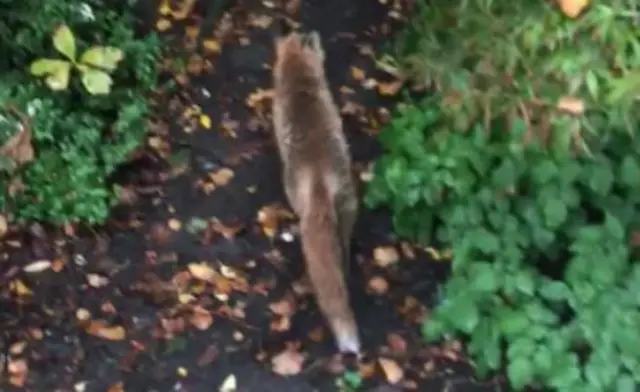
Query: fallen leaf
x=83, y=314
x=202, y=271
x=18, y=370
x=211, y=45
x=228, y=232
x=37, y=266
x=390, y=89
x=200, y=318
x=163, y=24
x=269, y=217
x=392, y=371
x=357, y=73
x=175, y=224
x=4, y=226
x=101, y=330
x=287, y=363
x=397, y=343
x=205, y=121
x=19, y=288
x=385, y=255
x=18, y=148
x=229, y=384
x=208, y=356
x=185, y=8
x=261, y=21
x=182, y=371
x=222, y=176
x=573, y=8
x=284, y=307
x=96, y=280
x=378, y=285
x=117, y=387
x=257, y=97
x=571, y=105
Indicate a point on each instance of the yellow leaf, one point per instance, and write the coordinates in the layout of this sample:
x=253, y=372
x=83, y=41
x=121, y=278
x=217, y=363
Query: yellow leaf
x=163, y=24
x=385, y=255
x=104, y=57
x=96, y=82
x=20, y=289
x=101, y=330
x=202, y=271
x=205, y=121
x=573, y=8
x=57, y=72
x=389, y=89
x=165, y=8
x=357, y=73
x=3, y=226
x=64, y=42
x=211, y=45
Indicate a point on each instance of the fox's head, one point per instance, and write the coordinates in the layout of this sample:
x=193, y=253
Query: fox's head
x=299, y=52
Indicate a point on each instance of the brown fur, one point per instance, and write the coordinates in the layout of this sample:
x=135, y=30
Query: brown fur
x=316, y=175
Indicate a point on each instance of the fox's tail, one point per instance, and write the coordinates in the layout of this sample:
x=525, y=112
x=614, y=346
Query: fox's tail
x=323, y=254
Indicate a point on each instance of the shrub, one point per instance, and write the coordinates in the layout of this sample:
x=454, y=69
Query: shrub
x=534, y=183
x=78, y=139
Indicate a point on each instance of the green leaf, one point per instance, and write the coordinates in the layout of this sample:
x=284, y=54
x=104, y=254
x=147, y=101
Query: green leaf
x=525, y=282
x=555, y=213
x=601, y=179
x=352, y=378
x=520, y=372
x=433, y=329
x=512, y=322
x=102, y=57
x=485, y=279
x=614, y=227
x=96, y=82
x=56, y=71
x=505, y=175
x=486, y=241
x=554, y=290
x=64, y=42
x=538, y=312
x=626, y=383
x=463, y=314
x=630, y=172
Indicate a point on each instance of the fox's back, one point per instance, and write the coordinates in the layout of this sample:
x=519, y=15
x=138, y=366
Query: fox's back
x=307, y=121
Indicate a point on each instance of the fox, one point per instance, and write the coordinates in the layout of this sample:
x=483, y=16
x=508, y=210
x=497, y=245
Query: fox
x=317, y=176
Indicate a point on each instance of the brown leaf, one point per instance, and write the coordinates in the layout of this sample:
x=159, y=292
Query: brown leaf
x=378, y=285
x=228, y=232
x=385, y=255
x=202, y=271
x=397, y=343
x=101, y=330
x=117, y=387
x=208, y=356
x=390, y=89
x=357, y=74
x=4, y=226
x=287, y=363
x=269, y=217
x=571, y=105
x=222, y=176
x=573, y=8
x=18, y=148
x=18, y=370
x=392, y=371
x=200, y=318
x=284, y=307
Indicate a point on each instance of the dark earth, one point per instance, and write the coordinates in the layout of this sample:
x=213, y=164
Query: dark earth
x=182, y=210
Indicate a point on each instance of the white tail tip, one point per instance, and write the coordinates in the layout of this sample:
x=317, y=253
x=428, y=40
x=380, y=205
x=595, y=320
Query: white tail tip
x=348, y=342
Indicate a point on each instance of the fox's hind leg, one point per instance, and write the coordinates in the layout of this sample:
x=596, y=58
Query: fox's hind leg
x=347, y=210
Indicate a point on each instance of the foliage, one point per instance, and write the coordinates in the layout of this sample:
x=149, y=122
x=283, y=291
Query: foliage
x=79, y=139
x=532, y=176
x=94, y=64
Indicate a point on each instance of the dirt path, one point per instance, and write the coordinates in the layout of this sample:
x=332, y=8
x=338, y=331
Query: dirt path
x=134, y=273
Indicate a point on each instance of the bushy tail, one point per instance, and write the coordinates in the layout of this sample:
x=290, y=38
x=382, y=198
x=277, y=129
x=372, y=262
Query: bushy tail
x=323, y=255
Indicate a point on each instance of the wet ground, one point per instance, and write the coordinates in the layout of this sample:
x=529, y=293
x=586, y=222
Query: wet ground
x=198, y=278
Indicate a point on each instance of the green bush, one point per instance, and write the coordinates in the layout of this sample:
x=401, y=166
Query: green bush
x=78, y=139
x=539, y=205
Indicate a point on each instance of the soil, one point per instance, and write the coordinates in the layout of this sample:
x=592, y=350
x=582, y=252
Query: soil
x=117, y=308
